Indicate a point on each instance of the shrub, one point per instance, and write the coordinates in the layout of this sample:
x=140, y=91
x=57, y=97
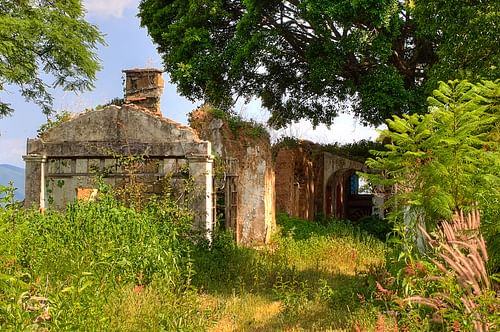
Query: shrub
x=380, y=228
x=448, y=288
x=438, y=163
x=444, y=160
x=58, y=268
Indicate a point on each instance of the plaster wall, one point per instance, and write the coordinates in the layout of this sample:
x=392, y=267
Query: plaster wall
x=295, y=182
x=72, y=154
x=311, y=182
x=254, y=177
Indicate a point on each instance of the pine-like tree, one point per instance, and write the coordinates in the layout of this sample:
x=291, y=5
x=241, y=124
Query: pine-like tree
x=448, y=159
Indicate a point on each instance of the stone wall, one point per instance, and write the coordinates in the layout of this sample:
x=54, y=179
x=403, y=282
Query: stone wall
x=295, y=182
x=311, y=183
x=252, y=171
x=69, y=157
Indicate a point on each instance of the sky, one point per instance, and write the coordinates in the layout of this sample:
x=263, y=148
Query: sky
x=129, y=46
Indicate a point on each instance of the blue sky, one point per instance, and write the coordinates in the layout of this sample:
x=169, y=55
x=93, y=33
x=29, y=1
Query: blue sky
x=129, y=46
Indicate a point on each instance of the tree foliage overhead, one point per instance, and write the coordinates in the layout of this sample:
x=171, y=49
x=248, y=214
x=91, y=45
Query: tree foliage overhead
x=46, y=38
x=306, y=58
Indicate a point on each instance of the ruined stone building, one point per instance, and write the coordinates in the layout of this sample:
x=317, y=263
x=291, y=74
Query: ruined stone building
x=244, y=175
x=243, y=187
x=63, y=163
x=311, y=183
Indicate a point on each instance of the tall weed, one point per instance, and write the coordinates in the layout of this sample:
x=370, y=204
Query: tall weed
x=60, y=269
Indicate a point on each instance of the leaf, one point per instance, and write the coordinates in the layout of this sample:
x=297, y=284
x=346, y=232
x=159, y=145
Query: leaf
x=13, y=281
x=69, y=289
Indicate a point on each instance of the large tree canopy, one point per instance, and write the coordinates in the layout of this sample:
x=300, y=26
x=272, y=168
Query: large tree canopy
x=307, y=58
x=46, y=38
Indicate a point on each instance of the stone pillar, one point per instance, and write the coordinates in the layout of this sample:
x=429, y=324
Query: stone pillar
x=200, y=170
x=378, y=200
x=34, y=181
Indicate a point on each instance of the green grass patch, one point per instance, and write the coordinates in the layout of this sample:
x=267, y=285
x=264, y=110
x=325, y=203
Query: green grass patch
x=105, y=266
x=312, y=277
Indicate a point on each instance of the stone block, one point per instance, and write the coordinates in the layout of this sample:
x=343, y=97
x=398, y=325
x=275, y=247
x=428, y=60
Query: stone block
x=110, y=166
x=94, y=166
x=81, y=166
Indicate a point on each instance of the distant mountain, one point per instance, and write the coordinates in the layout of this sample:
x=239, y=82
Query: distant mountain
x=16, y=175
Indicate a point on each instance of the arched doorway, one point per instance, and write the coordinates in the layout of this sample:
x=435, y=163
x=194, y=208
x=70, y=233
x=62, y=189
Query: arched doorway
x=344, y=198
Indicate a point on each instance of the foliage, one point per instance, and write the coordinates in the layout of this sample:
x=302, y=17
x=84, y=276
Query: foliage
x=132, y=191
x=34, y=42
x=105, y=266
x=306, y=58
x=439, y=163
x=490, y=227
x=53, y=121
x=449, y=288
x=239, y=127
x=65, y=270
x=463, y=31
x=359, y=151
x=380, y=228
x=115, y=101
x=7, y=194
x=287, y=142
x=445, y=160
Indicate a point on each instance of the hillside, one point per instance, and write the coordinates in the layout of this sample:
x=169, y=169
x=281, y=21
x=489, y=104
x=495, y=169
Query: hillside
x=16, y=175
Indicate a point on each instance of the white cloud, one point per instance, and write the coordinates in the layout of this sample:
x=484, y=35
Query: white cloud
x=13, y=154
x=114, y=8
x=345, y=129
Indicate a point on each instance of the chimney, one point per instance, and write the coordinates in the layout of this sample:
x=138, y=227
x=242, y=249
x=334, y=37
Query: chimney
x=143, y=87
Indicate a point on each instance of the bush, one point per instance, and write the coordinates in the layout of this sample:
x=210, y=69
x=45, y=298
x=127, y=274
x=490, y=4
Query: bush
x=375, y=226
x=440, y=163
x=449, y=287
x=59, y=268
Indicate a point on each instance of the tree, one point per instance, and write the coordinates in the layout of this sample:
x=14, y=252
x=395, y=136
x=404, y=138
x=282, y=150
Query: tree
x=43, y=39
x=307, y=58
x=446, y=160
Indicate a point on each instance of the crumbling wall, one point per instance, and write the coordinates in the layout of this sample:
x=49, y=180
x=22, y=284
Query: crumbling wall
x=249, y=152
x=144, y=87
x=66, y=159
x=295, y=182
x=311, y=182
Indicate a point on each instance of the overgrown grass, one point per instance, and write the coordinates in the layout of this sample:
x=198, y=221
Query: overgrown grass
x=104, y=266
x=72, y=270
x=313, y=277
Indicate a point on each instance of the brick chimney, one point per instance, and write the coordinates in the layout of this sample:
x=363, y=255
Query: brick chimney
x=143, y=87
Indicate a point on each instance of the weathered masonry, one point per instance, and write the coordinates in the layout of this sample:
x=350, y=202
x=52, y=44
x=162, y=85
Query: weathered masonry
x=311, y=182
x=63, y=163
x=244, y=176
x=243, y=190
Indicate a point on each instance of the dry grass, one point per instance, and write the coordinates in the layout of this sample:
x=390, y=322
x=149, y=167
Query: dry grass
x=304, y=304
x=256, y=313
x=248, y=312
x=461, y=255
x=135, y=308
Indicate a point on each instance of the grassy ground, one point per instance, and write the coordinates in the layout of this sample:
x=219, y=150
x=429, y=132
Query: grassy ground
x=107, y=267
x=312, y=278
